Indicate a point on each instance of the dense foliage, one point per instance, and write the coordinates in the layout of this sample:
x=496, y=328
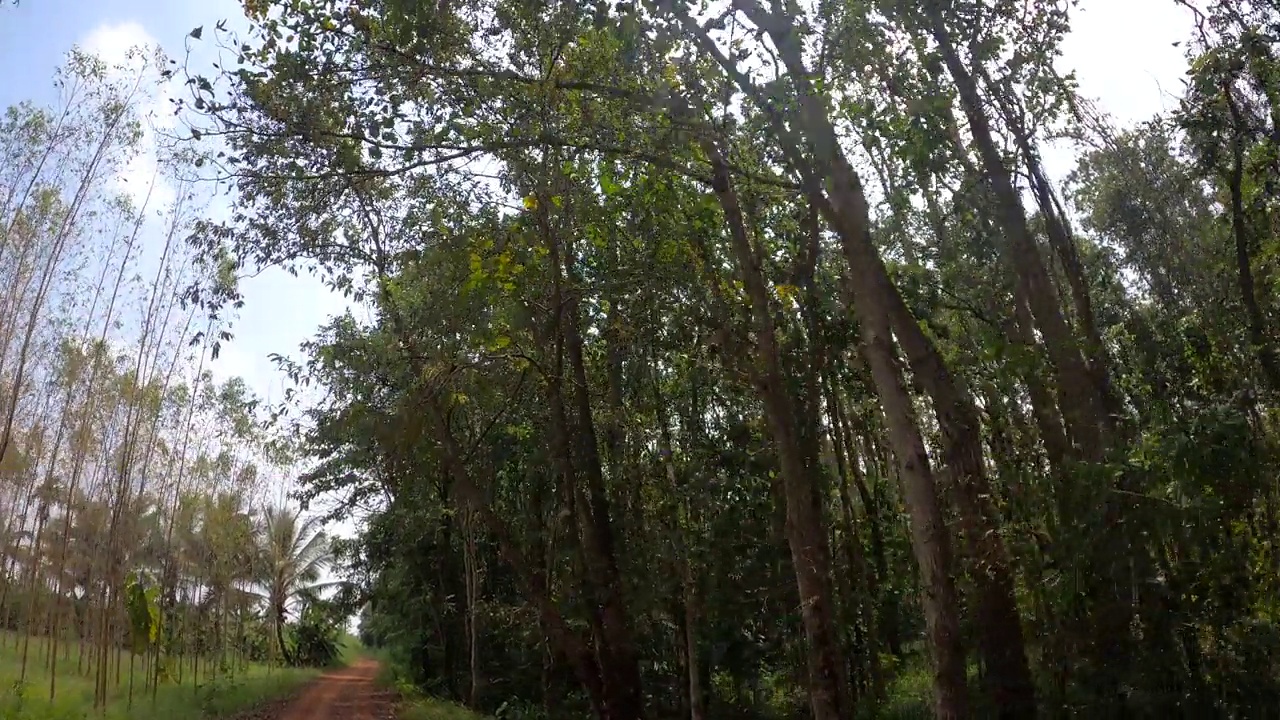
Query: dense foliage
x=736, y=360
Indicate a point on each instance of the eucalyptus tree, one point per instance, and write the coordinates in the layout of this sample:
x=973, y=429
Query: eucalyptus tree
x=105, y=129
x=95, y=330
x=880, y=308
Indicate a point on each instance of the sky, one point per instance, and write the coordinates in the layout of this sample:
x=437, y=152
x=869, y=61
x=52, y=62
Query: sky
x=281, y=311
x=1122, y=51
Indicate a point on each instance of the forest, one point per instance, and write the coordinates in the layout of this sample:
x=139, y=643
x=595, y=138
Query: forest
x=706, y=360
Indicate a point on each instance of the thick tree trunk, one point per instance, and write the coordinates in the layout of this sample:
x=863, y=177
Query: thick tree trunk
x=930, y=538
x=1000, y=639
x=881, y=311
x=837, y=193
x=999, y=628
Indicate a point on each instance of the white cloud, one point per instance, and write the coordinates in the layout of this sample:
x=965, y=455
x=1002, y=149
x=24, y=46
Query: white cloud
x=115, y=43
x=127, y=48
x=236, y=361
x=281, y=312
x=1125, y=60
x=1124, y=55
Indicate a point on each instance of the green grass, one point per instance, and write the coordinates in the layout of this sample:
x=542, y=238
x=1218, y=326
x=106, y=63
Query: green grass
x=413, y=704
x=910, y=695
x=430, y=709
x=220, y=697
x=349, y=649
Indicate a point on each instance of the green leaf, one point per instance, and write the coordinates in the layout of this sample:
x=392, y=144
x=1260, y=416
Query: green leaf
x=608, y=185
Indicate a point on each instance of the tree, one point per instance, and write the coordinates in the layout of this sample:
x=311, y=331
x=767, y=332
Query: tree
x=292, y=554
x=697, y=343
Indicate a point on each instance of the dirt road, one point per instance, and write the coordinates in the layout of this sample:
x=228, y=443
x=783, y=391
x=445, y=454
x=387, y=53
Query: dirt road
x=346, y=694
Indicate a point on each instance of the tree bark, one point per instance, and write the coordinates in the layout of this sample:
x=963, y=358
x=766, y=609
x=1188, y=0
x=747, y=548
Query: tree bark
x=828, y=685
x=1258, y=334
x=620, y=664
x=1085, y=410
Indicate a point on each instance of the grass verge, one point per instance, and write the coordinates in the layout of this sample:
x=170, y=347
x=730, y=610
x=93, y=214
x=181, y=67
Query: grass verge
x=412, y=704
x=424, y=708
x=210, y=698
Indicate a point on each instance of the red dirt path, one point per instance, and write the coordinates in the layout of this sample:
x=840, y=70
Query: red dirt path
x=346, y=694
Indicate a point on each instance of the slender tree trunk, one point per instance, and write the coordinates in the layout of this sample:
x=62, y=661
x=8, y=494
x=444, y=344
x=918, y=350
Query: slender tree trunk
x=850, y=475
x=472, y=575
x=70, y=218
x=531, y=578
x=829, y=689
x=1085, y=410
x=689, y=584
x=837, y=193
x=619, y=662
x=1258, y=331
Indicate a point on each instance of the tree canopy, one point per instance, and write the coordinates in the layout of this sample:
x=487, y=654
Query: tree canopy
x=744, y=360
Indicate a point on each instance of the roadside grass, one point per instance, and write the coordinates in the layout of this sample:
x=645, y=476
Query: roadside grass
x=412, y=704
x=431, y=709
x=210, y=698
x=909, y=695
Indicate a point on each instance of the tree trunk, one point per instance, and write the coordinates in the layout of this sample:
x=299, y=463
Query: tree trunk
x=1258, y=334
x=531, y=579
x=472, y=575
x=930, y=538
x=1084, y=409
x=689, y=584
x=873, y=504
x=620, y=664
x=284, y=647
x=837, y=193
x=828, y=685
x=846, y=468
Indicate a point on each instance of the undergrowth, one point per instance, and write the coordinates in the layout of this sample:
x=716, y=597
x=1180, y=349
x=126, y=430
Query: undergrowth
x=211, y=698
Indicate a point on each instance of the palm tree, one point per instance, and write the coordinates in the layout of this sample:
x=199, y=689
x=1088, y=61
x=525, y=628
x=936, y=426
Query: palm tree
x=293, y=553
